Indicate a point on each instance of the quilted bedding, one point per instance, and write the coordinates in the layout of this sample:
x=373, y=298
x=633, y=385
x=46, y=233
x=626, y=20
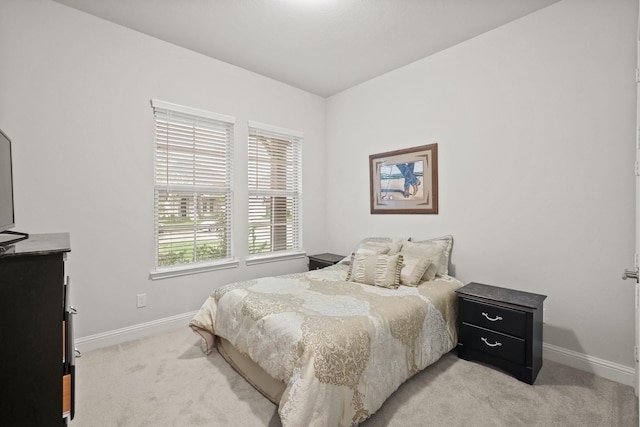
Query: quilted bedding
x=341, y=348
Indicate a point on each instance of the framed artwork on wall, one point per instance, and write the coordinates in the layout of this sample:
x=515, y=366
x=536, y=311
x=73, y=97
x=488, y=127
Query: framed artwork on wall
x=405, y=181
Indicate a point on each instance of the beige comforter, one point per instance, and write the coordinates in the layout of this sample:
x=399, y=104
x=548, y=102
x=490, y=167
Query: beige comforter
x=340, y=347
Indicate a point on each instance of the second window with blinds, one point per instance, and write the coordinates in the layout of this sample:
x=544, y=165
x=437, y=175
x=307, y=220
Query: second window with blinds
x=275, y=197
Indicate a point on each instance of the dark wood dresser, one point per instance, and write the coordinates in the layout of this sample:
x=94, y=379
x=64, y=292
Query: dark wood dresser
x=501, y=327
x=323, y=260
x=37, y=374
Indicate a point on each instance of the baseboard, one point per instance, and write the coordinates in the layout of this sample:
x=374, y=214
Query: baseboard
x=130, y=333
x=600, y=367
x=603, y=368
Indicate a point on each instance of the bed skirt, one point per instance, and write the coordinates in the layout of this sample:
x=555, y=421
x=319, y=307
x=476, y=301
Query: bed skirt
x=270, y=387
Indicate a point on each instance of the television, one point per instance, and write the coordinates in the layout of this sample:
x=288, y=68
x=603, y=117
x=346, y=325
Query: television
x=7, y=215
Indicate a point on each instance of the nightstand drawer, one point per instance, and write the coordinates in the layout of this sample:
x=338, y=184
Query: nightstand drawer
x=494, y=343
x=500, y=319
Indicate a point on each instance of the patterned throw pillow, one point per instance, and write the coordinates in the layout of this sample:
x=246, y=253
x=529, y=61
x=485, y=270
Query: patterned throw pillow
x=413, y=269
x=377, y=270
x=437, y=251
x=446, y=243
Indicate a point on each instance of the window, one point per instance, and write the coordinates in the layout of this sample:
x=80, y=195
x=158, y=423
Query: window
x=275, y=183
x=193, y=187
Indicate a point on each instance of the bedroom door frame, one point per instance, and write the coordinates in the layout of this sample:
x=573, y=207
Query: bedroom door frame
x=633, y=274
x=637, y=177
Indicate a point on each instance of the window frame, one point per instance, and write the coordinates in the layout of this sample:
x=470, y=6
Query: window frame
x=201, y=188
x=262, y=130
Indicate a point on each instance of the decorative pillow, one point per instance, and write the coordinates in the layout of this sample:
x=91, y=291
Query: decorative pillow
x=446, y=242
x=432, y=251
x=373, y=249
x=430, y=273
x=378, y=270
x=394, y=244
x=367, y=249
x=413, y=269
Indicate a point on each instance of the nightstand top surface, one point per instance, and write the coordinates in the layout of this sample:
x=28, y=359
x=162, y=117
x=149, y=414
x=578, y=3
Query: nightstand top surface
x=327, y=257
x=495, y=293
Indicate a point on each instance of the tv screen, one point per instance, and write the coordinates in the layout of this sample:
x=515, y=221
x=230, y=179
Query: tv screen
x=7, y=219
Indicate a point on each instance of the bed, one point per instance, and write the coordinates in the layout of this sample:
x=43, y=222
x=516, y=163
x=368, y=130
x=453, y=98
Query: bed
x=330, y=346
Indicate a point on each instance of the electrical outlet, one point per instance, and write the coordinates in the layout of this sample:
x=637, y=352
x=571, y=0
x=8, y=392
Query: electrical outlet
x=141, y=300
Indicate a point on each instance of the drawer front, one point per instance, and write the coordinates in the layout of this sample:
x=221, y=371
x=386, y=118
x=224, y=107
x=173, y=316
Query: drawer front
x=501, y=319
x=494, y=343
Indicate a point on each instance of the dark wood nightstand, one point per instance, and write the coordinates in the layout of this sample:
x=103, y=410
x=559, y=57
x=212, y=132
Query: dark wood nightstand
x=323, y=260
x=501, y=327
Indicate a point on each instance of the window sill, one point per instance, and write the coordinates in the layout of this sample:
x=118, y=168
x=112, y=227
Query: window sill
x=261, y=259
x=192, y=269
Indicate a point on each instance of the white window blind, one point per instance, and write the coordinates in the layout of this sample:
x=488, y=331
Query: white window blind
x=275, y=189
x=193, y=185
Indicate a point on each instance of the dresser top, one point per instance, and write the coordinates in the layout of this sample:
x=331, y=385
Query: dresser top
x=39, y=244
x=495, y=293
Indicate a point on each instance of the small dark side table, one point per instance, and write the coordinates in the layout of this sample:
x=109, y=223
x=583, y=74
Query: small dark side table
x=501, y=327
x=323, y=260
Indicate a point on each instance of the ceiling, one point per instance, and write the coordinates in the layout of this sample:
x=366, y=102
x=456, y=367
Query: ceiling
x=320, y=46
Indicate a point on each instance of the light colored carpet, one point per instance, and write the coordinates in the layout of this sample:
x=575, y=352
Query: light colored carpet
x=166, y=380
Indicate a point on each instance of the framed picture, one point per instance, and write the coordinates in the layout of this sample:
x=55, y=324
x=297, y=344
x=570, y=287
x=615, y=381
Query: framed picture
x=405, y=181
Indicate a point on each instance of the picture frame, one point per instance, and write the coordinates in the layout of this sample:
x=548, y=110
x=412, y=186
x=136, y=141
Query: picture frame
x=405, y=181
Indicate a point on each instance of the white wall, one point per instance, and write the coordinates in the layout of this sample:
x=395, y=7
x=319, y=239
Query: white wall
x=534, y=121
x=74, y=98
x=535, y=126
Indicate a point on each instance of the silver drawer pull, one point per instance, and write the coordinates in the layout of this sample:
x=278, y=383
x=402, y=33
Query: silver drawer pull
x=496, y=344
x=491, y=319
